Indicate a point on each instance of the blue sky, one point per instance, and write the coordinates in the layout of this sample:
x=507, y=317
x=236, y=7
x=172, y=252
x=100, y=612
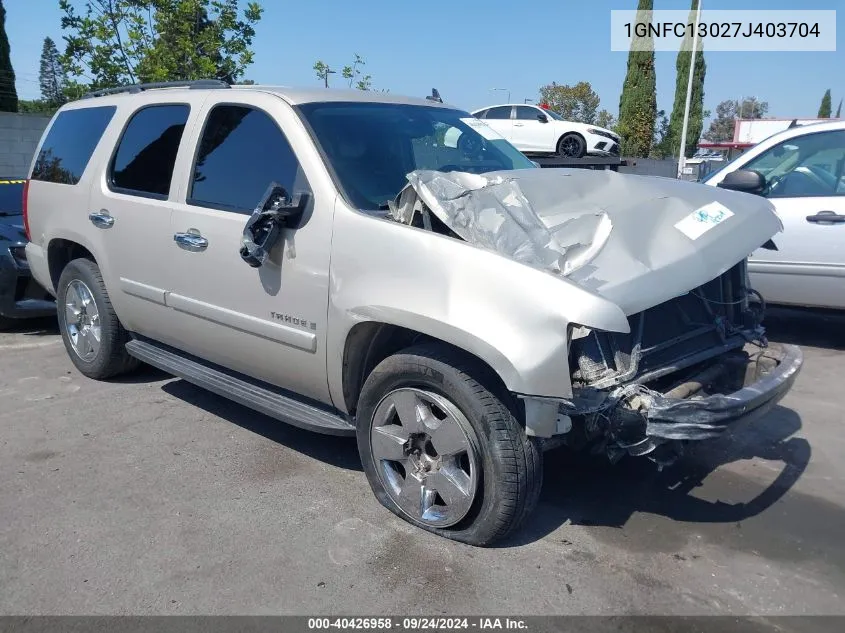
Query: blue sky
x=465, y=48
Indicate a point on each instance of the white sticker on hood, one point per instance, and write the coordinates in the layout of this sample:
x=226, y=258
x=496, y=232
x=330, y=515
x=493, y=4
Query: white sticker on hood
x=702, y=220
x=482, y=128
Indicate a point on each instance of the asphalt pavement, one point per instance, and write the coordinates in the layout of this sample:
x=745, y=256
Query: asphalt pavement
x=147, y=495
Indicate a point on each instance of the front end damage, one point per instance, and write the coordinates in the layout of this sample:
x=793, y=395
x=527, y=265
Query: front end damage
x=672, y=256
x=689, y=368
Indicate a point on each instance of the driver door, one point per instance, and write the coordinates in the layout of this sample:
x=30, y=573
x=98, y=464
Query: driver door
x=499, y=118
x=268, y=322
x=806, y=183
x=535, y=135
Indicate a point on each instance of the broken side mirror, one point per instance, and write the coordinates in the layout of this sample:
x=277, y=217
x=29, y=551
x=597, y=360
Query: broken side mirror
x=276, y=210
x=745, y=180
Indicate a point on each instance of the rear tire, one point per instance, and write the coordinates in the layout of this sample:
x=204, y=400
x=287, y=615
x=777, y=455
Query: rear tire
x=501, y=468
x=571, y=145
x=93, y=336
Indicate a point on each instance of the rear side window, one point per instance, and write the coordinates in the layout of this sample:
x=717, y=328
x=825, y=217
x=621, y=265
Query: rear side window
x=144, y=160
x=69, y=144
x=526, y=113
x=242, y=151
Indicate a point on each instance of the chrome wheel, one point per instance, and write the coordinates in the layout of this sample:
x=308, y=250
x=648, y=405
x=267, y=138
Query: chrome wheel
x=82, y=320
x=426, y=455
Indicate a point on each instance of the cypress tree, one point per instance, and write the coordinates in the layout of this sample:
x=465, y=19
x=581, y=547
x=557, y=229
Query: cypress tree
x=824, y=108
x=51, y=76
x=8, y=93
x=638, y=102
x=696, y=111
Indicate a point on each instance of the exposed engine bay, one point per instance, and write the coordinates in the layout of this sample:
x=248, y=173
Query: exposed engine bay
x=696, y=357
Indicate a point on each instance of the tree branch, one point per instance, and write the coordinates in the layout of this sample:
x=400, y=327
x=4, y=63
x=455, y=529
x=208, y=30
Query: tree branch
x=120, y=46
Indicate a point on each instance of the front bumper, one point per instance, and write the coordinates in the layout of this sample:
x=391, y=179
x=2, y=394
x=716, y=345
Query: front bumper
x=21, y=296
x=602, y=146
x=710, y=416
x=637, y=420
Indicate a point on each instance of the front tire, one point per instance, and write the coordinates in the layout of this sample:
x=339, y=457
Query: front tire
x=442, y=447
x=571, y=145
x=93, y=336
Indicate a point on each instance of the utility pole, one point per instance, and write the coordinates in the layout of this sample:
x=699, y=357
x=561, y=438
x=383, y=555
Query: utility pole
x=329, y=71
x=682, y=154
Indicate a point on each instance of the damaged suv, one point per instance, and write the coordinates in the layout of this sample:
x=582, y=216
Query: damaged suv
x=327, y=258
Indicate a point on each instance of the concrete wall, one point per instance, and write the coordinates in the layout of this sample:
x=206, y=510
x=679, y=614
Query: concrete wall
x=19, y=136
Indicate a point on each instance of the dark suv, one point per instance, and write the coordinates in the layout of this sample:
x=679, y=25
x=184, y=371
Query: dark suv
x=20, y=295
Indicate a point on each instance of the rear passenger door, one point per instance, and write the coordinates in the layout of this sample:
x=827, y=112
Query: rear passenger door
x=130, y=208
x=267, y=322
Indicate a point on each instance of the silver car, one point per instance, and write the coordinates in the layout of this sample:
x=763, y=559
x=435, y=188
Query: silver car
x=328, y=259
x=802, y=172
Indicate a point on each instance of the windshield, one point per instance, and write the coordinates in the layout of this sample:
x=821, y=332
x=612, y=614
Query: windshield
x=371, y=147
x=554, y=115
x=11, y=197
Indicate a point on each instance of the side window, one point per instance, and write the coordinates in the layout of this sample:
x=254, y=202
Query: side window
x=242, y=151
x=499, y=112
x=145, y=156
x=526, y=113
x=70, y=143
x=804, y=166
x=481, y=114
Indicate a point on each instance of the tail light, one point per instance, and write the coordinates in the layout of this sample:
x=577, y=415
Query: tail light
x=25, y=210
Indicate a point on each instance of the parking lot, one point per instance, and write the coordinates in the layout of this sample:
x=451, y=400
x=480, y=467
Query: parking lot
x=149, y=496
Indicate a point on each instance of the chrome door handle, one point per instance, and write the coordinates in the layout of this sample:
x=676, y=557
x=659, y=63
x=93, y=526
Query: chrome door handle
x=191, y=241
x=101, y=219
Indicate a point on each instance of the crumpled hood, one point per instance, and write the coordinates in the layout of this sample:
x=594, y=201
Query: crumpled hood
x=635, y=240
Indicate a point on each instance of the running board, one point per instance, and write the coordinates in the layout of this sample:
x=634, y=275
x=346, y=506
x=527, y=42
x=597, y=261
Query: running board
x=240, y=389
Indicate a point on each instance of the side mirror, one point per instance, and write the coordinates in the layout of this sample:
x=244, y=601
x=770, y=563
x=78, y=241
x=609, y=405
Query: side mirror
x=542, y=118
x=275, y=211
x=744, y=180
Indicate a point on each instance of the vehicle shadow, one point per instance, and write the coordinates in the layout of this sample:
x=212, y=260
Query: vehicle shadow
x=44, y=326
x=587, y=490
x=803, y=326
x=341, y=452
x=582, y=489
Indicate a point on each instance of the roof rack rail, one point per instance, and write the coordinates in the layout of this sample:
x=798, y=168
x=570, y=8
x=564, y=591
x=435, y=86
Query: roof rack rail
x=195, y=84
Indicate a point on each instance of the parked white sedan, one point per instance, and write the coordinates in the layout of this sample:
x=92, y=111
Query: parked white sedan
x=802, y=171
x=533, y=129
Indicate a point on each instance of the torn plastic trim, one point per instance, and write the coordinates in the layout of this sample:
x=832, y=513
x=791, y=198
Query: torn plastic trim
x=493, y=213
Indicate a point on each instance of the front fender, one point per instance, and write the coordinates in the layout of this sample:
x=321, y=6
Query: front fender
x=513, y=317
